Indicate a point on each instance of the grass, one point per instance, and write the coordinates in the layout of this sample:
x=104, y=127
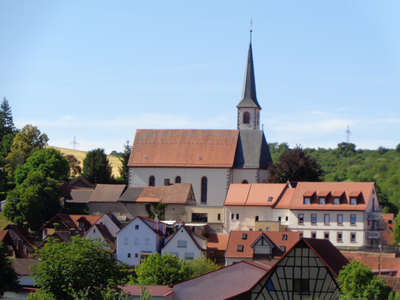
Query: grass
x=80, y=155
x=3, y=221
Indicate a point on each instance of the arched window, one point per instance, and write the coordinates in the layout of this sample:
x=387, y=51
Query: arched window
x=152, y=181
x=246, y=118
x=245, y=181
x=178, y=179
x=204, y=189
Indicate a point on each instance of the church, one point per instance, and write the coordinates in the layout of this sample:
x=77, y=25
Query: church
x=210, y=160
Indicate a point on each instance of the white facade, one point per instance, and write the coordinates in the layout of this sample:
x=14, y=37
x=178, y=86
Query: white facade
x=182, y=245
x=138, y=237
x=244, y=217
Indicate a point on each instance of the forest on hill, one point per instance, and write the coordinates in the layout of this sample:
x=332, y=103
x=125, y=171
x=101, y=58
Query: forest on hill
x=347, y=163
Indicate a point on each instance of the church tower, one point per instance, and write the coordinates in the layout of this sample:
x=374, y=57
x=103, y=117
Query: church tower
x=248, y=117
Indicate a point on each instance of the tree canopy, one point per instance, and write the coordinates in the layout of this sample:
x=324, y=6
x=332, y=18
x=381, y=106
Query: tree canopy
x=6, y=119
x=396, y=230
x=124, y=159
x=84, y=265
x=49, y=162
x=96, y=167
x=9, y=279
x=358, y=282
x=295, y=165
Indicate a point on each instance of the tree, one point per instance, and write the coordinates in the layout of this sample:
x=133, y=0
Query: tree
x=96, y=167
x=396, y=230
x=74, y=165
x=295, y=165
x=166, y=269
x=49, y=162
x=9, y=279
x=26, y=142
x=34, y=201
x=202, y=265
x=6, y=119
x=124, y=159
x=358, y=282
x=84, y=265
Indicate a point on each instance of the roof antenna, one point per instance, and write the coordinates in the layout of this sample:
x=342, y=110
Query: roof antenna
x=251, y=27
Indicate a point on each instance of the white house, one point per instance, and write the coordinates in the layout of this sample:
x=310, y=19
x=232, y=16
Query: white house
x=186, y=244
x=138, y=239
x=208, y=159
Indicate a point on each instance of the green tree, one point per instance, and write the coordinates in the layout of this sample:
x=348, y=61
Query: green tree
x=6, y=119
x=49, y=162
x=124, y=159
x=74, y=165
x=9, y=279
x=96, y=167
x=396, y=230
x=84, y=265
x=34, y=201
x=358, y=282
x=295, y=165
x=202, y=265
x=26, y=142
x=145, y=293
x=166, y=269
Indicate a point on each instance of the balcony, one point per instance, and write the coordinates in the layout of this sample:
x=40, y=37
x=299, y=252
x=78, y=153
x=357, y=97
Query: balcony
x=373, y=216
x=373, y=235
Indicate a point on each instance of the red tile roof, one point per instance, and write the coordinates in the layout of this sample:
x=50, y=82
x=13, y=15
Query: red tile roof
x=155, y=290
x=256, y=194
x=388, y=260
x=274, y=237
x=189, y=148
x=107, y=193
x=217, y=241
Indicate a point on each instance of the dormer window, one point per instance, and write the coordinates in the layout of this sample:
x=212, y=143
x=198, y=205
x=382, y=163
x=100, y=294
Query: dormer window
x=306, y=201
x=321, y=201
x=270, y=199
x=244, y=236
x=353, y=201
x=284, y=237
x=239, y=248
x=336, y=201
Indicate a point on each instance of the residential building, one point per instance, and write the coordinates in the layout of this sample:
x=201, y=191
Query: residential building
x=216, y=247
x=6, y=239
x=24, y=246
x=185, y=244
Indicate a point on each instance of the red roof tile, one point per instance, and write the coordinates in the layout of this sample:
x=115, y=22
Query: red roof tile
x=256, y=194
x=217, y=241
x=155, y=290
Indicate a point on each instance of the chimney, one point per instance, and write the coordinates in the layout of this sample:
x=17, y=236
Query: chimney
x=166, y=182
x=156, y=224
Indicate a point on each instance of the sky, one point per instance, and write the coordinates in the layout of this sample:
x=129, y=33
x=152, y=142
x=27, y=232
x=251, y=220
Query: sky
x=98, y=70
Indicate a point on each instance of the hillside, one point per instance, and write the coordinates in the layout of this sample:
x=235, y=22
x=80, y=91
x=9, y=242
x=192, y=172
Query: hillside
x=80, y=155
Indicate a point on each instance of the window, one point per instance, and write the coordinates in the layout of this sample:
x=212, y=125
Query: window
x=189, y=255
x=301, y=286
x=340, y=237
x=175, y=253
x=301, y=234
x=322, y=201
x=199, y=218
x=326, y=235
x=284, y=237
x=125, y=241
x=340, y=219
x=245, y=181
x=246, y=118
x=353, y=219
x=244, y=236
x=178, y=179
x=313, y=235
x=353, y=201
x=147, y=241
x=287, y=218
x=306, y=201
x=136, y=255
x=136, y=241
x=314, y=219
x=327, y=219
x=352, y=237
x=136, y=227
x=239, y=248
x=232, y=216
x=267, y=229
x=301, y=218
x=336, y=201
x=204, y=189
x=282, y=249
x=182, y=244
x=270, y=199
x=219, y=217
x=279, y=218
x=256, y=218
x=128, y=255
x=237, y=216
x=152, y=180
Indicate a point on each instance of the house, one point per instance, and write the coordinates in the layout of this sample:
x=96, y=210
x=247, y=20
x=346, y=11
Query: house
x=22, y=267
x=346, y=213
x=186, y=244
x=101, y=231
x=208, y=159
x=231, y=282
x=216, y=247
x=24, y=246
x=308, y=270
x=387, y=224
x=140, y=238
x=258, y=245
x=158, y=292
x=6, y=239
x=81, y=183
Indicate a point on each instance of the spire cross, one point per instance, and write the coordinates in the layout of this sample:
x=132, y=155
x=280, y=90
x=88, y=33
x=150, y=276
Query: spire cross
x=251, y=27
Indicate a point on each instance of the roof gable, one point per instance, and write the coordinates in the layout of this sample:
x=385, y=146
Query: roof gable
x=184, y=148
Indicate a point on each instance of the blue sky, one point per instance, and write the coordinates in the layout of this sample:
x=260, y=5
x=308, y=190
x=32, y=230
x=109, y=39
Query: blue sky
x=99, y=70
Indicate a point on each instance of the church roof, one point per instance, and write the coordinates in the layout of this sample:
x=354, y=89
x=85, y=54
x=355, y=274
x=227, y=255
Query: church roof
x=252, y=150
x=184, y=148
x=249, y=97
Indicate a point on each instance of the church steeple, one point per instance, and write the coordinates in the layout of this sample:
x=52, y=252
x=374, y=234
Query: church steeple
x=248, y=107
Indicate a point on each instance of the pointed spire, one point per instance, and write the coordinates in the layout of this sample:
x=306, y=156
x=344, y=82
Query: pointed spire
x=249, y=97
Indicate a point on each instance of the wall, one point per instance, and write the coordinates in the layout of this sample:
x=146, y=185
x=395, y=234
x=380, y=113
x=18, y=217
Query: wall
x=172, y=245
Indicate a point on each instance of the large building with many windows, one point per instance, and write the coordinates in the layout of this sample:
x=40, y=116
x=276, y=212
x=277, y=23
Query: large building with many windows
x=210, y=160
